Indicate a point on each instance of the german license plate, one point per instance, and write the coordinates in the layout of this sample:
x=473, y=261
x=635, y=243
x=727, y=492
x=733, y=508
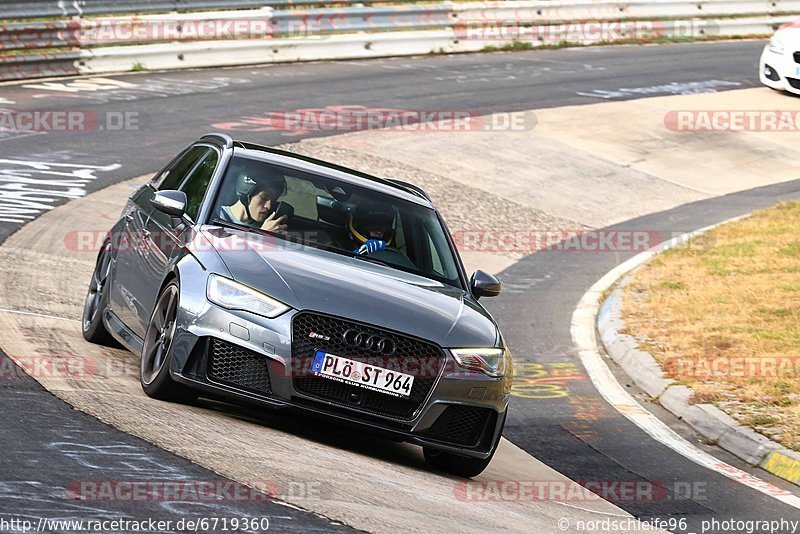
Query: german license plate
x=361, y=374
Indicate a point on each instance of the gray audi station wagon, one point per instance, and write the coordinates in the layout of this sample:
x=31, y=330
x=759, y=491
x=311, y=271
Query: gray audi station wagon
x=264, y=277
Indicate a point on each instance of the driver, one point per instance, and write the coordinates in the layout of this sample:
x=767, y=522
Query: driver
x=257, y=199
x=371, y=228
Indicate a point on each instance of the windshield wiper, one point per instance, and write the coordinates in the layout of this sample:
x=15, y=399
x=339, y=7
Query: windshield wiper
x=237, y=226
x=231, y=224
x=363, y=257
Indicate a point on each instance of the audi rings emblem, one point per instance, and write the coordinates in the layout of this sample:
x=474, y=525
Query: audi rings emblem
x=373, y=343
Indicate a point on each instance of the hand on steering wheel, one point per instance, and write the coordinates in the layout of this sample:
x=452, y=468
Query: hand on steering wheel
x=372, y=245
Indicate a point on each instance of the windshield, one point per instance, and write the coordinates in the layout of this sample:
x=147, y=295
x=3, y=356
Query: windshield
x=336, y=216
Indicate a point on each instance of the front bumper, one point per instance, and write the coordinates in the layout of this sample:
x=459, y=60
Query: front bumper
x=462, y=412
x=780, y=71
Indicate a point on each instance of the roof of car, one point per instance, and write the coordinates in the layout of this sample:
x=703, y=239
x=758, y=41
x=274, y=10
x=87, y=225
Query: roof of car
x=398, y=188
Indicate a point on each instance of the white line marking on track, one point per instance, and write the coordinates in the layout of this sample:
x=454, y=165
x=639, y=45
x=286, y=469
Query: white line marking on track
x=42, y=315
x=574, y=507
x=583, y=335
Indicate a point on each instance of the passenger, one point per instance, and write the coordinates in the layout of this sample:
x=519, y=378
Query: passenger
x=257, y=200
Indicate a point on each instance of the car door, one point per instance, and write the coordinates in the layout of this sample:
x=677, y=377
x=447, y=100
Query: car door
x=122, y=295
x=132, y=293
x=165, y=238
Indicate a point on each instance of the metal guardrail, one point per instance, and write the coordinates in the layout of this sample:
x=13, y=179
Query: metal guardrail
x=344, y=20
x=39, y=35
x=90, y=32
x=33, y=48
x=33, y=9
x=584, y=10
x=40, y=65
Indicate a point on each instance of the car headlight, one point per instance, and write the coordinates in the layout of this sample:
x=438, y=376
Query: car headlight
x=776, y=46
x=235, y=296
x=491, y=362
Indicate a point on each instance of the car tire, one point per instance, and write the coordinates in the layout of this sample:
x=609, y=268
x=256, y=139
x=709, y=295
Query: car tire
x=157, y=350
x=96, y=301
x=456, y=464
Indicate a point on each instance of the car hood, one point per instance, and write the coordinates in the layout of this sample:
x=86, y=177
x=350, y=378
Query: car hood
x=307, y=278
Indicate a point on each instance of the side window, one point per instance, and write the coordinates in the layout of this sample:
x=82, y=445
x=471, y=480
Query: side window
x=195, y=186
x=172, y=177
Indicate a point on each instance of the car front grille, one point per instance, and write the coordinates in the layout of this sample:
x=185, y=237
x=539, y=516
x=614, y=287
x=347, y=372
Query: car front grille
x=239, y=367
x=794, y=82
x=312, y=332
x=462, y=425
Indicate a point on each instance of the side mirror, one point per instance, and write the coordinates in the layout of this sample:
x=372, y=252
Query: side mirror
x=484, y=284
x=173, y=203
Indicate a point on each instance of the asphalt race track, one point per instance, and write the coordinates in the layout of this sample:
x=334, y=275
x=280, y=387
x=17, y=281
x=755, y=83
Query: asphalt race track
x=576, y=433
x=47, y=446
x=605, y=445
x=172, y=108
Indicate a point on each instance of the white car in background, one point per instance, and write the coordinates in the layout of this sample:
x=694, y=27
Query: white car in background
x=779, y=67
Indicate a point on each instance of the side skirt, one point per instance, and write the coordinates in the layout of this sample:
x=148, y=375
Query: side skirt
x=122, y=333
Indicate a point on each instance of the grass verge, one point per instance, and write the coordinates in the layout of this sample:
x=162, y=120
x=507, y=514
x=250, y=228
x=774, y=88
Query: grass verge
x=723, y=317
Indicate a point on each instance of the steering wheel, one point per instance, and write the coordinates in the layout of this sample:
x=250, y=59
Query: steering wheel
x=394, y=256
